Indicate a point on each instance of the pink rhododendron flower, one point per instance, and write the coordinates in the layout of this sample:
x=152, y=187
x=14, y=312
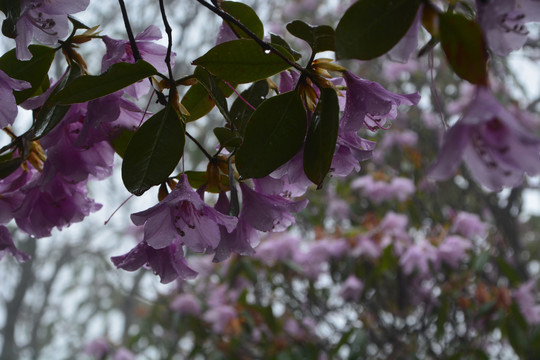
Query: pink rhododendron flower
x=51, y=202
x=417, y=257
x=378, y=191
x=528, y=303
x=351, y=289
x=97, y=348
x=186, y=304
x=167, y=262
x=8, y=106
x=368, y=103
x=452, y=250
x=225, y=34
x=351, y=149
x=123, y=354
x=503, y=23
x=277, y=247
x=469, y=225
x=184, y=217
x=120, y=51
x=497, y=150
x=268, y=212
x=44, y=20
x=220, y=317
x=241, y=240
x=11, y=197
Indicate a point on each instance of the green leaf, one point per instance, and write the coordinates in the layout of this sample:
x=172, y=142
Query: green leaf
x=51, y=113
x=227, y=138
x=210, y=83
x=7, y=167
x=370, y=28
x=197, y=101
x=321, y=137
x=242, y=61
x=273, y=136
x=117, y=77
x=200, y=178
x=464, y=47
x=240, y=111
x=154, y=151
x=319, y=38
x=121, y=143
x=35, y=70
x=278, y=40
x=246, y=15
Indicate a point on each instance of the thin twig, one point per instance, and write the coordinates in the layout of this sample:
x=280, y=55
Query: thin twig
x=199, y=146
x=168, y=30
x=132, y=42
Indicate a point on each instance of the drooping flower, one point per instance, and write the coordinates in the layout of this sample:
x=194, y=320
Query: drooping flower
x=168, y=262
x=351, y=150
x=503, y=23
x=44, y=20
x=497, y=150
x=241, y=240
x=268, y=212
x=368, y=103
x=11, y=198
x=7, y=246
x=8, y=106
x=50, y=201
x=183, y=216
x=75, y=163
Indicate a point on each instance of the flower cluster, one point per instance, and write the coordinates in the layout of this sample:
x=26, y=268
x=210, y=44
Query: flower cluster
x=50, y=189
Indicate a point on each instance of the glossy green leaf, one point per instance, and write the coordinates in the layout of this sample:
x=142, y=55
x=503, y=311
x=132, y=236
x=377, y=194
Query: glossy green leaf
x=51, y=113
x=273, y=136
x=246, y=15
x=154, y=151
x=241, y=111
x=210, y=83
x=370, y=28
x=463, y=45
x=117, y=77
x=35, y=71
x=242, y=61
x=319, y=38
x=321, y=137
x=278, y=40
